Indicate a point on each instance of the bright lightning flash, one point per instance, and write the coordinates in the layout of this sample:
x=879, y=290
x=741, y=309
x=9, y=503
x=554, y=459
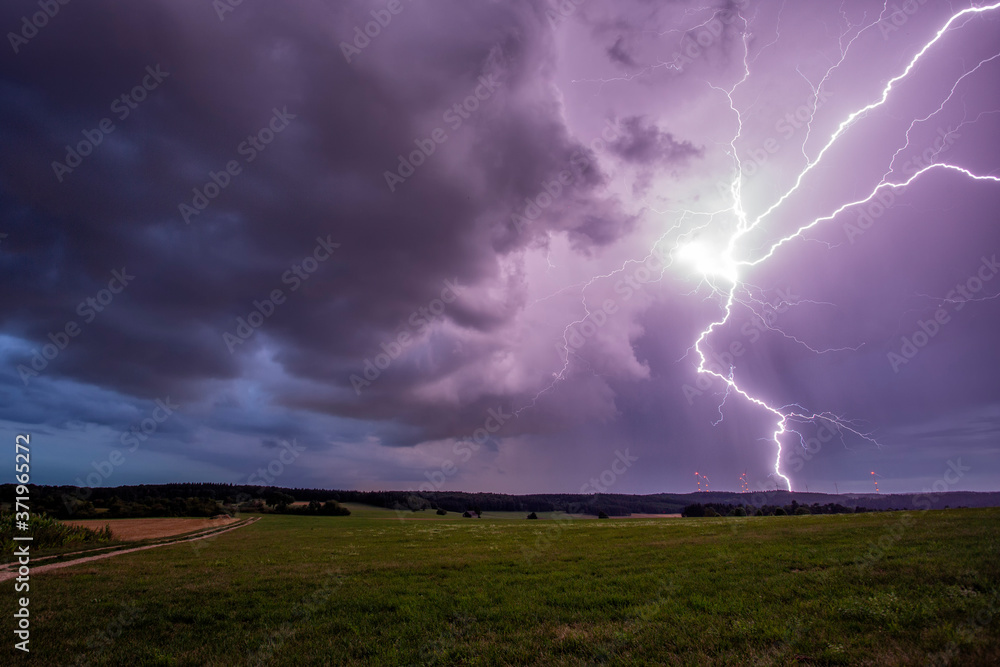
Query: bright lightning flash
x=715, y=262
x=707, y=261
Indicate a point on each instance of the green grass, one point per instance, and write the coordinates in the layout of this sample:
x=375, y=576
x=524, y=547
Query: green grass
x=360, y=510
x=365, y=590
x=372, y=512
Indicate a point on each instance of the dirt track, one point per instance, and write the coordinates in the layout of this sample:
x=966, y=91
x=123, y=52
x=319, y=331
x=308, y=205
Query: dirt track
x=10, y=570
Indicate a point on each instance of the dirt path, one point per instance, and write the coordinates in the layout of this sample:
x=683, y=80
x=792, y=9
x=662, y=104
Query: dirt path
x=11, y=573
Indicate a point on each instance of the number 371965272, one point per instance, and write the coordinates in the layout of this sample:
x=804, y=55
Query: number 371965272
x=22, y=466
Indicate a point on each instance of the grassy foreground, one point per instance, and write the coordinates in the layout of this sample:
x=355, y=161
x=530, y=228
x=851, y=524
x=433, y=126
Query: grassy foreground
x=915, y=588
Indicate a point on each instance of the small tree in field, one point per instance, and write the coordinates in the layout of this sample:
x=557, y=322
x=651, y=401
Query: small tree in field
x=602, y=515
x=532, y=516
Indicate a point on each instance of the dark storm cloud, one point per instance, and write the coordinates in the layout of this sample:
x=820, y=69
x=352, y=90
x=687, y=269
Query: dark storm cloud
x=618, y=52
x=342, y=126
x=645, y=144
x=444, y=197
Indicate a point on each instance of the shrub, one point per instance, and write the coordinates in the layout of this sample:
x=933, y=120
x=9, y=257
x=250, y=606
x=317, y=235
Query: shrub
x=47, y=532
x=532, y=516
x=441, y=512
x=739, y=511
x=329, y=508
x=602, y=515
x=466, y=514
x=780, y=512
x=696, y=509
x=802, y=509
x=710, y=511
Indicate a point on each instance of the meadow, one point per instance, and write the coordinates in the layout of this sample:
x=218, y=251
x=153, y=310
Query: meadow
x=369, y=589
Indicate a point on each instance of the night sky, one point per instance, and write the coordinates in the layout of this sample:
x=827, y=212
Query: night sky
x=472, y=245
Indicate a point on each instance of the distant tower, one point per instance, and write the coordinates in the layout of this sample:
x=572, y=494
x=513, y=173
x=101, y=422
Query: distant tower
x=700, y=477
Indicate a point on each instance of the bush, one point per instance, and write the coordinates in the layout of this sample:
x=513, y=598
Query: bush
x=47, y=532
x=780, y=512
x=329, y=508
x=466, y=514
x=710, y=511
x=441, y=512
x=802, y=509
x=532, y=516
x=739, y=511
x=696, y=509
x=602, y=515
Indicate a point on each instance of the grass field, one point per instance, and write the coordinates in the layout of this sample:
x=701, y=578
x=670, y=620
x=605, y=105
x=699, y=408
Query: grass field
x=365, y=590
x=370, y=512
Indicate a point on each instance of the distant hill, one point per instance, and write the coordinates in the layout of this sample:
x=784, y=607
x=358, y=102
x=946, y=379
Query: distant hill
x=57, y=499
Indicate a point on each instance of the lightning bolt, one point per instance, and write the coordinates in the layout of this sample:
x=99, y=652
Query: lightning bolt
x=784, y=415
x=723, y=273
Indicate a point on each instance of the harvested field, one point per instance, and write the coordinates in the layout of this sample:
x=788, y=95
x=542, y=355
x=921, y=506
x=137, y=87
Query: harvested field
x=147, y=529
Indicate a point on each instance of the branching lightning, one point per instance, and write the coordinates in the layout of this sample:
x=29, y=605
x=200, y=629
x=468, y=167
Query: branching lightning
x=718, y=264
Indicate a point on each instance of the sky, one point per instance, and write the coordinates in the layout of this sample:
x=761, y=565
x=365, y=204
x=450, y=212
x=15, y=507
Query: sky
x=516, y=246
